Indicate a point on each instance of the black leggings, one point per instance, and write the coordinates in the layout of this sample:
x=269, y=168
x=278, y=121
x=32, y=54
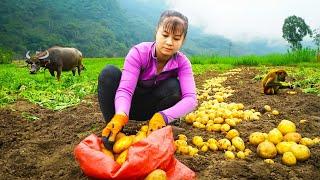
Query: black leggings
x=145, y=101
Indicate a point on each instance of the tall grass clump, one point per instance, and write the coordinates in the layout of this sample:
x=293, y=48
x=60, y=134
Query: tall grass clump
x=276, y=59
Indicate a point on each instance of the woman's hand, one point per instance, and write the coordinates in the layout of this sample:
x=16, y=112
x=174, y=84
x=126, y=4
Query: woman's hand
x=156, y=122
x=110, y=132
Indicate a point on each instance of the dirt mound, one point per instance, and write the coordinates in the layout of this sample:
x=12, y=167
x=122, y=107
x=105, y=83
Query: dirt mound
x=37, y=143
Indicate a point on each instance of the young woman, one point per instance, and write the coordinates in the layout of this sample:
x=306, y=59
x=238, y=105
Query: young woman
x=156, y=83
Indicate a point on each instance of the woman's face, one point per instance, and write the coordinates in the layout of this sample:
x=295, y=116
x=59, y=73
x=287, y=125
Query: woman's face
x=167, y=43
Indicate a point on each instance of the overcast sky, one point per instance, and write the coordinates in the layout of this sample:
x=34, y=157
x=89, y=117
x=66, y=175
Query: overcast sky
x=244, y=20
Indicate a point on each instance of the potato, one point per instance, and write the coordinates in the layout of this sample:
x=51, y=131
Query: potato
x=182, y=137
x=213, y=146
x=307, y=142
x=196, y=124
x=267, y=150
x=216, y=127
x=238, y=143
x=193, y=151
x=292, y=136
x=275, y=136
x=219, y=98
x=265, y=135
x=198, y=141
x=184, y=149
x=269, y=161
x=286, y=126
x=209, y=127
x=241, y=155
x=212, y=140
x=284, y=146
x=289, y=159
x=291, y=92
x=229, y=155
x=225, y=127
x=223, y=144
x=301, y=152
x=247, y=152
x=302, y=121
x=231, y=122
x=232, y=133
x=107, y=152
x=157, y=174
x=122, y=157
x=218, y=120
x=316, y=140
x=122, y=144
x=267, y=108
x=275, y=112
x=119, y=135
x=204, y=148
x=180, y=142
x=140, y=135
x=256, y=138
x=144, y=128
x=232, y=148
x=240, y=106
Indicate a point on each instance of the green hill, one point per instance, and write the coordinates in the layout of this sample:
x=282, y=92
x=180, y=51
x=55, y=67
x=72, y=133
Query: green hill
x=99, y=28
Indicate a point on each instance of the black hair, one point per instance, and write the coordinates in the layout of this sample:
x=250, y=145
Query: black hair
x=173, y=21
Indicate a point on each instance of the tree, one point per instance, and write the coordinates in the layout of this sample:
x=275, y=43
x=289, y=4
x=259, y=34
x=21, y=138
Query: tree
x=316, y=38
x=294, y=30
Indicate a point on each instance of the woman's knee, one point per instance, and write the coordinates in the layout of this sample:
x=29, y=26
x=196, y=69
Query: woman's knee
x=172, y=87
x=110, y=73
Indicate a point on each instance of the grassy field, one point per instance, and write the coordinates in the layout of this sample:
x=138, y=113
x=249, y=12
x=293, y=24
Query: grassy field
x=42, y=89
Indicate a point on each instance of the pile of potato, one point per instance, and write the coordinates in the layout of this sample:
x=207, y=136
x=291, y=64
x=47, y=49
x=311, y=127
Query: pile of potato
x=122, y=144
x=214, y=114
x=233, y=145
x=283, y=140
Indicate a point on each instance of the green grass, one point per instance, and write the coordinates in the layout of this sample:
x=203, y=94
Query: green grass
x=291, y=58
x=43, y=89
x=17, y=83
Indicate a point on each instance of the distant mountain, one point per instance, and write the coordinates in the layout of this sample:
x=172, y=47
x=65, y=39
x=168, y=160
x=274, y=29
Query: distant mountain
x=197, y=42
x=100, y=28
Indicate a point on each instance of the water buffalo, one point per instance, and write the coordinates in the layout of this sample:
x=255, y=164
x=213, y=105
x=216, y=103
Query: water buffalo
x=56, y=59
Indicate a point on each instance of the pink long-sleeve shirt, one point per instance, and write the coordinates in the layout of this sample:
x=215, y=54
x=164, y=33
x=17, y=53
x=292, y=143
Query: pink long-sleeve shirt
x=140, y=66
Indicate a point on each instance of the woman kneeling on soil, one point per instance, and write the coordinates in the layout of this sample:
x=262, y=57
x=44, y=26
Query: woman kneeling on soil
x=156, y=83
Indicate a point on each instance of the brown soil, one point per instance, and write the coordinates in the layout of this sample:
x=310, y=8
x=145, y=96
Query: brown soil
x=43, y=148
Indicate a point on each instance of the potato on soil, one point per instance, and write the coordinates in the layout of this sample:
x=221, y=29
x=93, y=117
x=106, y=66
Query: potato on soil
x=301, y=152
x=284, y=146
x=256, y=138
x=286, y=126
x=267, y=150
x=289, y=159
x=275, y=136
x=292, y=136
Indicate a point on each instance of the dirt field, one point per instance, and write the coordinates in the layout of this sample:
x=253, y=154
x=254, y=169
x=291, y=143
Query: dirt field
x=43, y=148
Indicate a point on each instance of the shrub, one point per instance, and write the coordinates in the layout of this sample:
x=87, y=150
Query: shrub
x=6, y=56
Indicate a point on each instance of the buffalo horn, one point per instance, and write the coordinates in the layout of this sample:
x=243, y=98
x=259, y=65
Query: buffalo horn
x=27, y=55
x=45, y=56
